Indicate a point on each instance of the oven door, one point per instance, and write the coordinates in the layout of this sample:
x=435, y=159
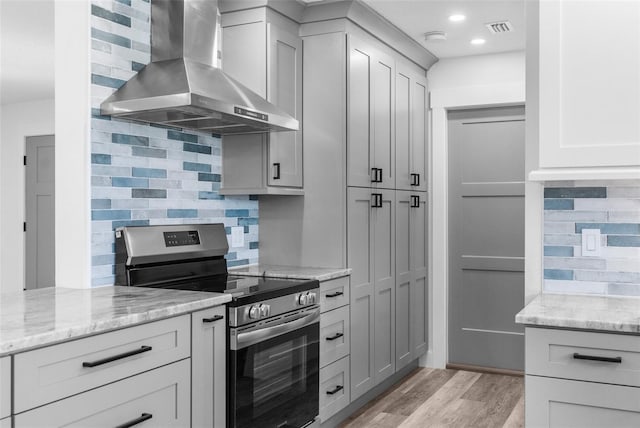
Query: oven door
x=274, y=372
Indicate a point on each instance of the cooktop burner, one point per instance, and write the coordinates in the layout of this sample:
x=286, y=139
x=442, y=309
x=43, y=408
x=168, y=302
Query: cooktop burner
x=243, y=289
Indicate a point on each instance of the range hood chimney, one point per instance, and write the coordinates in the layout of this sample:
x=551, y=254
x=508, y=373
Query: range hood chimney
x=183, y=85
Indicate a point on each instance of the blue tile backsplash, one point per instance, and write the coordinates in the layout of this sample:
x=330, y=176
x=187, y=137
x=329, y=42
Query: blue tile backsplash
x=145, y=174
x=611, y=206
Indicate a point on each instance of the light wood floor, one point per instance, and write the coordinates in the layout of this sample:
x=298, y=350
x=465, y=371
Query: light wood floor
x=446, y=398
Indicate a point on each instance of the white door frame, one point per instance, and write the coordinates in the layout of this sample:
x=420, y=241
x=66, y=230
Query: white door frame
x=443, y=100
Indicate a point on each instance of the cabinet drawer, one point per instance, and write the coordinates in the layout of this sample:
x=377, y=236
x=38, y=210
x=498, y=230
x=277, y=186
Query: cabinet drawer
x=560, y=403
x=162, y=393
x=334, y=293
x=334, y=388
x=334, y=335
x=48, y=374
x=5, y=387
x=551, y=352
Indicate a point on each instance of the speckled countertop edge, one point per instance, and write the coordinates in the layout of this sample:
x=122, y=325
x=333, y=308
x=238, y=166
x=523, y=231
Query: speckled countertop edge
x=605, y=313
x=38, y=318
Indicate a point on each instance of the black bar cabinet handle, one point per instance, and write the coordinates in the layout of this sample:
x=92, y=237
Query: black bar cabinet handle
x=276, y=174
x=213, y=318
x=336, y=389
x=117, y=357
x=335, y=336
x=380, y=176
x=577, y=356
x=143, y=417
x=374, y=175
x=336, y=294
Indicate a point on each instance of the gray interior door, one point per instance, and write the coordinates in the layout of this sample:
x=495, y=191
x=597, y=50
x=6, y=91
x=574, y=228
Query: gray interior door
x=40, y=208
x=486, y=237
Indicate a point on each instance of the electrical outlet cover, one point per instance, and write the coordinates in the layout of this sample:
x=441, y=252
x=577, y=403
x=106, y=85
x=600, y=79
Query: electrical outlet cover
x=591, y=246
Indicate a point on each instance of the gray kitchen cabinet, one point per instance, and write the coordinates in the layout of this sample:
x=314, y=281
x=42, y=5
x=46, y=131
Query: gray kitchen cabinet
x=262, y=50
x=208, y=367
x=160, y=396
x=5, y=387
x=411, y=276
x=334, y=388
x=411, y=127
x=581, y=379
x=334, y=335
x=370, y=115
x=371, y=255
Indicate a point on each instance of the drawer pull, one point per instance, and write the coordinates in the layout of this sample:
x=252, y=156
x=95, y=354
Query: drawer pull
x=143, y=417
x=213, y=318
x=336, y=294
x=335, y=336
x=117, y=357
x=335, y=390
x=577, y=356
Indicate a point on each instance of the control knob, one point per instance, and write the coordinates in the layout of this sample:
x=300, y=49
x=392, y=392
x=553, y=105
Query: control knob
x=265, y=310
x=254, y=312
x=303, y=299
x=311, y=298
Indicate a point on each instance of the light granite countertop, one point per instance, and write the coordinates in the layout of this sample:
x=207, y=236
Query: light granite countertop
x=611, y=314
x=290, y=272
x=42, y=317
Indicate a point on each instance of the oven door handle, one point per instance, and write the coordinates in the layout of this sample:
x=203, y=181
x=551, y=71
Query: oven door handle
x=252, y=337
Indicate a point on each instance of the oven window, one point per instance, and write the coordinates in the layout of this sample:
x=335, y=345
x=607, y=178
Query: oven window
x=276, y=381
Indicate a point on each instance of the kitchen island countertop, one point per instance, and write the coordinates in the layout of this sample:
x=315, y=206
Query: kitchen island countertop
x=36, y=318
x=611, y=314
x=290, y=272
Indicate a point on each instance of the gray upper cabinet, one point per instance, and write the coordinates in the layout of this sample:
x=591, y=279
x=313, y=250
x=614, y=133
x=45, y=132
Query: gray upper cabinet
x=371, y=255
x=370, y=116
x=411, y=127
x=262, y=50
x=411, y=276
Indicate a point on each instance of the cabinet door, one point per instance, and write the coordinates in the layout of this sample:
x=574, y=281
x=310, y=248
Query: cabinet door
x=411, y=130
x=208, y=369
x=382, y=145
x=5, y=387
x=284, y=74
x=359, y=124
x=359, y=245
x=560, y=403
x=404, y=309
x=384, y=268
x=419, y=291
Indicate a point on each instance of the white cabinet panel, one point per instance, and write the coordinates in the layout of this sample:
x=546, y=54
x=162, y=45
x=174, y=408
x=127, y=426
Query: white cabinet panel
x=208, y=367
x=48, y=374
x=560, y=403
x=334, y=335
x=157, y=398
x=589, y=108
x=5, y=387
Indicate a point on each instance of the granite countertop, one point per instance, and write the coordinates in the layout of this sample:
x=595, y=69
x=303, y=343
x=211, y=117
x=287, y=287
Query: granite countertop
x=42, y=317
x=291, y=272
x=612, y=314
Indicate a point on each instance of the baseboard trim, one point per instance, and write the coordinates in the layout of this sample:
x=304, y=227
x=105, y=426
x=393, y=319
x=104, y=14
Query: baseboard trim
x=480, y=369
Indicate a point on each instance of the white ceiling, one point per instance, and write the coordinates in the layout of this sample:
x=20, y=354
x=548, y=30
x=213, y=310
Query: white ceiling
x=27, y=51
x=417, y=17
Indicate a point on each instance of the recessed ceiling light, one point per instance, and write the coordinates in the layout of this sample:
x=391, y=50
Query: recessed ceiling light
x=435, y=35
x=457, y=18
x=478, y=41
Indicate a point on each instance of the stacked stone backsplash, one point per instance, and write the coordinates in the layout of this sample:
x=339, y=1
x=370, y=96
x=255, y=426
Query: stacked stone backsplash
x=611, y=206
x=149, y=175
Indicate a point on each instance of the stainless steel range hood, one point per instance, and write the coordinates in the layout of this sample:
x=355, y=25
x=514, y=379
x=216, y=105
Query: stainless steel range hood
x=183, y=85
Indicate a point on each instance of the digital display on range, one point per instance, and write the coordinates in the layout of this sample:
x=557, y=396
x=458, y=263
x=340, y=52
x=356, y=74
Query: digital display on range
x=178, y=239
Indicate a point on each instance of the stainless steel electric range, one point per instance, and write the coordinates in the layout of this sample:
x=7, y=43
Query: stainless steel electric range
x=273, y=324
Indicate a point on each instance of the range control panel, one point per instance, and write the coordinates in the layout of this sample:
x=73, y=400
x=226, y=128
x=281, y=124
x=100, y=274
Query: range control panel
x=179, y=239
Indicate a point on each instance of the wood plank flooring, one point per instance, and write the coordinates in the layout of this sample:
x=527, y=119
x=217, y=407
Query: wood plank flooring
x=446, y=398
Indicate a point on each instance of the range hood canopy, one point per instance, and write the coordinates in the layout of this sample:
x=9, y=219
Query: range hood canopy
x=183, y=85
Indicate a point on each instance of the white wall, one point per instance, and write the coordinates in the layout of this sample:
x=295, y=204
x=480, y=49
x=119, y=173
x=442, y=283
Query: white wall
x=18, y=121
x=477, y=81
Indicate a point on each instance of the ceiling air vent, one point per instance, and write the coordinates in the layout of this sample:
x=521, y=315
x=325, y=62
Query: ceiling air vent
x=500, y=27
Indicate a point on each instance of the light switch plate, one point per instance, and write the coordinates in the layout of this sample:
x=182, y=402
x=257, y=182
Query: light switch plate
x=591, y=246
x=237, y=237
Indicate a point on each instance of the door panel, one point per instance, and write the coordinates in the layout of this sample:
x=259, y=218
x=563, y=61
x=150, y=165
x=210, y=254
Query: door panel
x=419, y=304
x=285, y=91
x=359, y=244
x=486, y=235
x=403, y=130
x=419, y=131
x=359, y=113
x=382, y=145
x=404, y=309
x=40, y=212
